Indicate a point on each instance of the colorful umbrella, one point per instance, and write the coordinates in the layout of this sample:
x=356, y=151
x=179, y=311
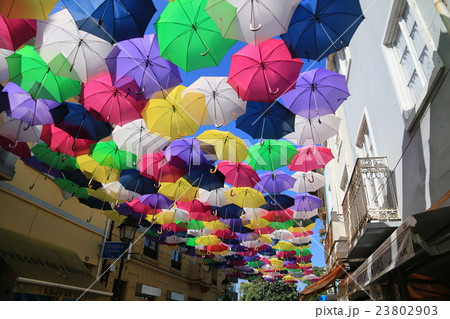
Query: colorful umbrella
x=215, y=197
x=156, y=167
x=112, y=20
x=227, y=146
x=278, y=215
x=95, y=171
x=54, y=159
x=132, y=180
x=277, y=202
x=108, y=154
x=139, y=59
x=317, y=92
x=118, y=192
x=271, y=155
x=265, y=72
x=314, y=131
x=181, y=190
x=306, y=202
x=310, y=157
x=308, y=182
x=245, y=197
x=156, y=201
x=19, y=131
x=28, y=70
x=251, y=21
x=275, y=182
x=60, y=141
x=4, y=70
x=238, y=174
x=27, y=9
x=207, y=178
x=188, y=37
x=20, y=149
x=319, y=28
x=186, y=153
x=15, y=32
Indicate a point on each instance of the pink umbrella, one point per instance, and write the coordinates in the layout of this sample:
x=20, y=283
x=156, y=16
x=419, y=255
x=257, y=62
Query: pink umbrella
x=263, y=72
x=62, y=142
x=15, y=32
x=112, y=104
x=238, y=174
x=310, y=157
x=157, y=167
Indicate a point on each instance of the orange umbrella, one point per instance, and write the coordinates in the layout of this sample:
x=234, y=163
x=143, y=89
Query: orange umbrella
x=27, y=9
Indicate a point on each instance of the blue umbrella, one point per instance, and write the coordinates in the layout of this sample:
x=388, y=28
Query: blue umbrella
x=132, y=180
x=95, y=203
x=229, y=211
x=112, y=20
x=266, y=121
x=321, y=27
x=277, y=202
x=205, y=177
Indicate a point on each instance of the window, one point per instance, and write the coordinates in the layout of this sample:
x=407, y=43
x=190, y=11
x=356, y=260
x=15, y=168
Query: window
x=364, y=141
x=176, y=260
x=151, y=248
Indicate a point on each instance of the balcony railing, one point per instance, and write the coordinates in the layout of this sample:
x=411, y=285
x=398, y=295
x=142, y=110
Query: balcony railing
x=370, y=196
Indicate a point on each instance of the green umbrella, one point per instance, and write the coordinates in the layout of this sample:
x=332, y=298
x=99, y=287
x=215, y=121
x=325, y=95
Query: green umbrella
x=28, y=70
x=188, y=37
x=284, y=225
x=54, y=159
x=194, y=224
x=108, y=154
x=72, y=188
x=271, y=155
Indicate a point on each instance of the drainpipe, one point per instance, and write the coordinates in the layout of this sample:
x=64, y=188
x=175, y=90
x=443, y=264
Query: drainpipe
x=444, y=12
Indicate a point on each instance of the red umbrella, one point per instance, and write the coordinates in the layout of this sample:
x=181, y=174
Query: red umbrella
x=174, y=227
x=156, y=167
x=263, y=72
x=264, y=230
x=310, y=157
x=140, y=208
x=20, y=149
x=15, y=32
x=280, y=216
x=198, y=210
x=112, y=104
x=238, y=174
x=286, y=254
x=62, y=142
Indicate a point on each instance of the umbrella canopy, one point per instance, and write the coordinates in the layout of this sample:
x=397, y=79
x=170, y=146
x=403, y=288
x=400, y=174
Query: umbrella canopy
x=222, y=102
x=20, y=149
x=275, y=182
x=278, y=215
x=245, y=197
x=72, y=188
x=27, y=9
x=168, y=118
x=181, y=190
x=109, y=103
x=28, y=70
x=317, y=92
x=215, y=197
x=188, y=37
x=156, y=201
x=319, y=28
x=229, y=211
x=185, y=153
x=263, y=72
x=277, y=202
x=19, y=131
x=15, y=32
x=251, y=21
x=61, y=141
x=158, y=168
x=310, y=157
x=112, y=20
x=4, y=70
x=264, y=120
x=118, y=192
x=308, y=182
x=306, y=202
x=95, y=171
x=207, y=178
x=44, y=153
x=132, y=180
x=139, y=59
x=227, y=146
x=314, y=131
x=108, y=154
x=271, y=155
x=238, y=174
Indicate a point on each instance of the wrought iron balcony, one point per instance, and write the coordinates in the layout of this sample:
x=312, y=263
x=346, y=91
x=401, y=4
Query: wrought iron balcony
x=370, y=197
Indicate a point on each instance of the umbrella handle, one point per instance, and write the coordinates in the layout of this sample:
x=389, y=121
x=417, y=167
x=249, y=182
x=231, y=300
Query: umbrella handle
x=205, y=53
x=158, y=185
x=232, y=193
x=63, y=158
x=159, y=232
x=273, y=202
x=74, y=148
x=89, y=219
x=273, y=93
x=182, y=134
x=254, y=28
x=261, y=142
x=213, y=171
x=218, y=125
x=14, y=145
x=312, y=179
x=26, y=128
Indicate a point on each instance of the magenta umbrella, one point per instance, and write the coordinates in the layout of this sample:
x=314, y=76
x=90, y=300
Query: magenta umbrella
x=263, y=72
x=238, y=174
x=310, y=157
x=15, y=32
x=112, y=103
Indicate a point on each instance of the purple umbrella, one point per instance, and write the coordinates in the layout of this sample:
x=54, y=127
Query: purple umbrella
x=306, y=202
x=23, y=107
x=248, y=236
x=317, y=92
x=139, y=58
x=42, y=167
x=186, y=153
x=156, y=201
x=275, y=182
x=236, y=225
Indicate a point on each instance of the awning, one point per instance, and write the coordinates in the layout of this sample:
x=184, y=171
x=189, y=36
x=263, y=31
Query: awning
x=44, y=269
x=323, y=283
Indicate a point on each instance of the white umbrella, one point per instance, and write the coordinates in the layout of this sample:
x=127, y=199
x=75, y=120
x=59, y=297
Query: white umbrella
x=308, y=182
x=305, y=215
x=19, y=131
x=254, y=213
x=222, y=102
x=216, y=197
x=301, y=240
x=4, y=70
x=315, y=130
x=117, y=191
x=135, y=138
x=174, y=240
x=86, y=53
x=200, y=232
x=282, y=234
x=255, y=20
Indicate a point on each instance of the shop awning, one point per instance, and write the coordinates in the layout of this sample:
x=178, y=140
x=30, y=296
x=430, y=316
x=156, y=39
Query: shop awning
x=323, y=283
x=44, y=269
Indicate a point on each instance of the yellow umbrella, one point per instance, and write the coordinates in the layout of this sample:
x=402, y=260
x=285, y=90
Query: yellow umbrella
x=276, y=263
x=265, y=239
x=228, y=146
x=284, y=246
x=194, y=104
x=208, y=240
x=258, y=223
x=93, y=170
x=114, y=216
x=168, y=118
x=215, y=225
x=245, y=197
x=101, y=195
x=27, y=9
x=181, y=190
x=299, y=229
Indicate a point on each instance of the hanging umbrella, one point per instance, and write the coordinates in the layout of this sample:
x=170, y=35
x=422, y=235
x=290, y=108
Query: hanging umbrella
x=303, y=215
x=60, y=141
x=20, y=149
x=237, y=225
x=220, y=249
x=228, y=211
x=139, y=59
x=118, y=192
x=156, y=201
x=222, y=102
x=112, y=20
x=312, y=131
x=95, y=203
x=74, y=119
x=55, y=160
x=19, y=131
x=132, y=180
x=238, y=174
x=215, y=197
x=95, y=171
x=72, y=188
x=207, y=178
x=135, y=138
x=275, y=182
x=15, y=32
x=319, y=28
x=168, y=118
x=28, y=70
x=156, y=167
x=227, y=146
x=251, y=21
x=265, y=72
x=41, y=167
x=271, y=155
x=23, y=107
x=306, y=202
x=85, y=53
x=284, y=246
x=254, y=213
x=188, y=37
x=282, y=234
x=108, y=154
x=308, y=182
x=264, y=120
x=317, y=92
x=4, y=70
x=279, y=215
x=27, y=9
x=109, y=103
x=310, y=157
x=181, y=190
x=277, y=202
x=186, y=153
x=245, y=197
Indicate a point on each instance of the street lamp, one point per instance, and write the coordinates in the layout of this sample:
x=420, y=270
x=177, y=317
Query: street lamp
x=226, y=288
x=127, y=231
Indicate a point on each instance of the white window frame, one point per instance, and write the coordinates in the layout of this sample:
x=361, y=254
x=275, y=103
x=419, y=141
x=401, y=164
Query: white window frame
x=411, y=107
x=361, y=138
